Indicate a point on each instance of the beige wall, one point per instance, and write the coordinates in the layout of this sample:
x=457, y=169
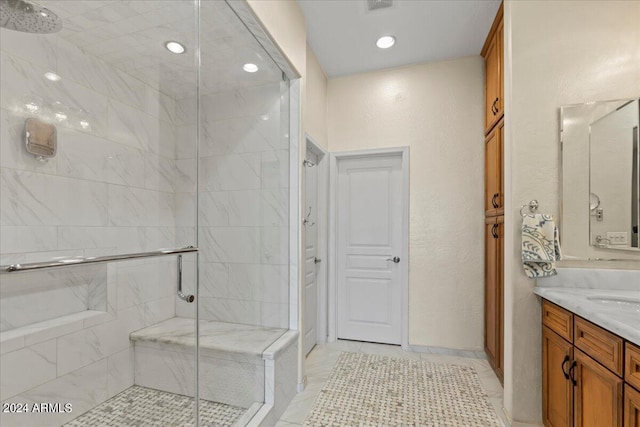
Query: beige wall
x=437, y=110
x=557, y=53
x=315, y=111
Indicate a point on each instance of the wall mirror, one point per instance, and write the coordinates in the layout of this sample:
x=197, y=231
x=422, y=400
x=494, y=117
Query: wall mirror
x=601, y=179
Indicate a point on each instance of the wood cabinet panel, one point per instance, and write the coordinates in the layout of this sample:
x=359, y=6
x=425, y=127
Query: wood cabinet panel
x=598, y=394
x=632, y=365
x=494, y=294
x=492, y=52
x=494, y=209
x=557, y=389
x=500, y=268
x=601, y=345
x=558, y=320
x=631, y=407
x=494, y=177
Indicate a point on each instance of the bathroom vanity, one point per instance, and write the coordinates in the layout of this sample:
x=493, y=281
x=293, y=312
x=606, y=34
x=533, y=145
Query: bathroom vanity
x=590, y=357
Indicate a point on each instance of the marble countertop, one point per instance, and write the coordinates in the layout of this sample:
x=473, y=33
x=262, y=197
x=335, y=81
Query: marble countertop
x=599, y=306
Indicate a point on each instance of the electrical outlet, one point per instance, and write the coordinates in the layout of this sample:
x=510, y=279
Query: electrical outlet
x=617, y=238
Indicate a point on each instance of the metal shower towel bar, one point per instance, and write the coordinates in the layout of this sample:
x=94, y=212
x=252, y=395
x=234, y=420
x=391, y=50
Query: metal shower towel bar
x=532, y=205
x=93, y=260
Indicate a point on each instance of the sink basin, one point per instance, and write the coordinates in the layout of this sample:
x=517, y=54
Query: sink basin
x=617, y=302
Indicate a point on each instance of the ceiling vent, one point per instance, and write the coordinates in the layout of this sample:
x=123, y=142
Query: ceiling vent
x=378, y=4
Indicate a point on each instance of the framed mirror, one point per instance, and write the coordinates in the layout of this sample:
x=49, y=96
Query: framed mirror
x=601, y=180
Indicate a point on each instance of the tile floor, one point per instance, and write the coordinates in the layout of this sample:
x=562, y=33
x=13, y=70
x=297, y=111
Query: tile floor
x=321, y=360
x=144, y=407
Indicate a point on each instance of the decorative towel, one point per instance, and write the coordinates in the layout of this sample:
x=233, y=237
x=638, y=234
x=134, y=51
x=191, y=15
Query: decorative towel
x=540, y=245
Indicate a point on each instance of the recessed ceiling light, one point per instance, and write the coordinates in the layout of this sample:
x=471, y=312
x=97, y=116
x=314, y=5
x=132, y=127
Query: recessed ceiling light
x=175, y=47
x=250, y=68
x=385, y=42
x=52, y=76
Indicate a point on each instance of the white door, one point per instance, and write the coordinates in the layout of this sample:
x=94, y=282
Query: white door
x=369, y=245
x=311, y=251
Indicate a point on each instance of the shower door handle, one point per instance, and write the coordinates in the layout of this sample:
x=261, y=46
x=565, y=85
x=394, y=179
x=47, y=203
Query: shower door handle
x=183, y=297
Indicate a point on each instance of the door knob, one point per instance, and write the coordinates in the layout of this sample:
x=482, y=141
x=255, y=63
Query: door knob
x=316, y=260
x=394, y=259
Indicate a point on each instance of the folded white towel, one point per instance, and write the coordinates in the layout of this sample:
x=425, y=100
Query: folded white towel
x=540, y=245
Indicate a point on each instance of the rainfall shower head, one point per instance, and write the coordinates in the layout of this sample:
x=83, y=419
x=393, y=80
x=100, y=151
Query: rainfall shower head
x=21, y=15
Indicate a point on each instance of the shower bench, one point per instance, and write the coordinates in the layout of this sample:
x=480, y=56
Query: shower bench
x=238, y=363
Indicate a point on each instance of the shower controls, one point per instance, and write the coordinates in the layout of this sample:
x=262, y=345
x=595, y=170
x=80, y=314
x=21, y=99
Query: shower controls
x=41, y=139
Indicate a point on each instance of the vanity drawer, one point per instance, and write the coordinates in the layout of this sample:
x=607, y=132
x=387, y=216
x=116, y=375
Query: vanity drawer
x=632, y=365
x=558, y=320
x=601, y=345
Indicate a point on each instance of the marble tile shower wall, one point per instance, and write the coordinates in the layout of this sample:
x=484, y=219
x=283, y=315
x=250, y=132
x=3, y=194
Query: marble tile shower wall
x=243, y=203
x=110, y=189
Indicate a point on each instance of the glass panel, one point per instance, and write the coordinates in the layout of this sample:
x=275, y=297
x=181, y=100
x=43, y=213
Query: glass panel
x=243, y=210
x=101, y=94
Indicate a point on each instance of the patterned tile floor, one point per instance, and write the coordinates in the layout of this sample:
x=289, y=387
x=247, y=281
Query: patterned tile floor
x=144, y=407
x=322, y=359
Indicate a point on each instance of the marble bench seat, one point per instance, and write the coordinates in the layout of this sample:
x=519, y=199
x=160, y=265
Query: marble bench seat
x=215, y=336
x=232, y=359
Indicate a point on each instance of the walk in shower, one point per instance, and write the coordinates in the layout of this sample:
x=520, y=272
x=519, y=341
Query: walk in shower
x=144, y=215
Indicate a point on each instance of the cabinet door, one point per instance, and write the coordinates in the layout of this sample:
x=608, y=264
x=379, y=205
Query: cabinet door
x=631, y=407
x=493, y=200
x=500, y=296
x=492, y=59
x=491, y=336
x=557, y=389
x=500, y=48
x=494, y=294
x=598, y=394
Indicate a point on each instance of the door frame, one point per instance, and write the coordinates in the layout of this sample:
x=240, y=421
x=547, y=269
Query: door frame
x=323, y=234
x=332, y=308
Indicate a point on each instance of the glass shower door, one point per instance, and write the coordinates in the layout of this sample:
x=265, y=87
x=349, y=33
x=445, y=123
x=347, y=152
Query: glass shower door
x=92, y=165
x=243, y=212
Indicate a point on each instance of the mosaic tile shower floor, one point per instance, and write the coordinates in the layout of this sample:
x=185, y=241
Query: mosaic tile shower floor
x=373, y=390
x=144, y=407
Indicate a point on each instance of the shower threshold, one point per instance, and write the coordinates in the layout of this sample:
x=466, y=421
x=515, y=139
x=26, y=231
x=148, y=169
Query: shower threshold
x=141, y=407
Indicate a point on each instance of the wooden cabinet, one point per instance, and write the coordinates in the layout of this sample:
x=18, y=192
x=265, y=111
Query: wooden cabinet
x=632, y=365
x=598, y=394
x=631, y=407
x=492, y=52
x=603, y=346
x=583, y=374
x=557, y=396
x=493, y=206
x=494, y=181
x=558, y=320
x=494, y=294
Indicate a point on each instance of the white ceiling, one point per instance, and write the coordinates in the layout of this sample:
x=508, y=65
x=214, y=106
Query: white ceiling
x=343, y=33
